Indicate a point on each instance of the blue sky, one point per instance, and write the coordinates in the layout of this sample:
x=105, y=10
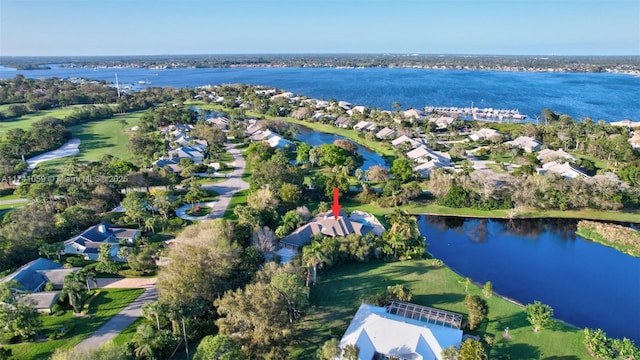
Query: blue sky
x=145, y=27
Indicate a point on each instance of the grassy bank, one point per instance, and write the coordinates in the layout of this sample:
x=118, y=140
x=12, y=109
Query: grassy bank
x=430, y=208
x=339, y=293
x=621, y=238
x=107, y=304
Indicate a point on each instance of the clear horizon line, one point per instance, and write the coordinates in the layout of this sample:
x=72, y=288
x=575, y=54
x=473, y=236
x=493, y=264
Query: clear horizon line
x=325, y=53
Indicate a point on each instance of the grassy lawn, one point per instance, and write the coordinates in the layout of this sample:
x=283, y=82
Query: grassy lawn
x=340, y=291
x=126, y=336
x=11, y=206
x=24, y=122
x=239, y=198
x=108, y=136
x=107, y=303
x=199, y=211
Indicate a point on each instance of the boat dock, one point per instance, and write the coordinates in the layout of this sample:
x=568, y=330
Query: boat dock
x=476, y=113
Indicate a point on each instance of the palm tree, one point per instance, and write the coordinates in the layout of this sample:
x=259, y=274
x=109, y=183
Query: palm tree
x=312, y=255
x=152, y=311
x=73, y=289
x=86, y=275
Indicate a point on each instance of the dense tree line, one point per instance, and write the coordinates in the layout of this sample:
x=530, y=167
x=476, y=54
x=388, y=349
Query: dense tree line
x=45, y=94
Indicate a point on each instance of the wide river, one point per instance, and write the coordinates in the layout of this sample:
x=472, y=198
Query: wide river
x=587, y=284
x=606, y=96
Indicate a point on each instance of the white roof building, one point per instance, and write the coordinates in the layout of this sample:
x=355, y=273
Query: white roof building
x=626, y=123
x=423, y=154
x=403, y=139
x=443, y=121
x=413, y=113
x=365, y=126
x=395, y=332
x=483, y=134
x=546, y=155
x=385, y=133
x=566, y=170
x=527, y=143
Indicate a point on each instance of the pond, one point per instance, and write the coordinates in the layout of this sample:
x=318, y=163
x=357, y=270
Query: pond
x=315, y=138
x=587, y=284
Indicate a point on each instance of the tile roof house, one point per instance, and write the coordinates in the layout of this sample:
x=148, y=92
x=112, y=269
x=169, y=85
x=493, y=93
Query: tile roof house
x=483, y=134
x=220, y=122
x=566, y=170
x=327, y=225
x=365, y=126
x=635, y=140
x=401, y=331
x=385, y=133
x=442, y=122
x=405, y=139
x=412, y=113
x=526, y=143
x=89, y=241
x=422, y=154
x=546, y=155
x=32, y=278
x=343, y=122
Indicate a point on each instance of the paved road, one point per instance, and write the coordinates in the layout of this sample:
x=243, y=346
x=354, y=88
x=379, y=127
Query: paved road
x=119, y=322
x=228, y=188
x=129, y=314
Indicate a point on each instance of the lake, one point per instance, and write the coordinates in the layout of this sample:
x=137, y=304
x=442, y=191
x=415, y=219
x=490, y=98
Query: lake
x=315, y=138
x=587, y=284
x=606, y=96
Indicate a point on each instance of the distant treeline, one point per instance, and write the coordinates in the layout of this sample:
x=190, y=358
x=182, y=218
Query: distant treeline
x=523, y=63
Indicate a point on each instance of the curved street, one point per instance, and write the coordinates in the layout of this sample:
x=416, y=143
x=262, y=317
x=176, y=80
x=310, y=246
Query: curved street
x=129, y=314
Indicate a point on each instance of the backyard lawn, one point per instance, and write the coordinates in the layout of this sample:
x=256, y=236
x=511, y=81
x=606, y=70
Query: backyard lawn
x=341, y=290
x=106, y=304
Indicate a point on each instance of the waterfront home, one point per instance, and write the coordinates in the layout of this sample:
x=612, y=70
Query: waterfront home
x=326, y=224
x=285, y=95
x=343, y=122
x=385, y=133
x=32, y=278
x=547, y=155
x=355, y=109
x=483, y=134
x=442, y=122
x=412, y=114
x=402, y=330
x=626, y=123
x=88, y=242
x=220, y=122
x=253, y=127
x=566, y=170
x=278, y=142
x=526, y=143
x=365, y=126
x=345, y=105
x=423, y=154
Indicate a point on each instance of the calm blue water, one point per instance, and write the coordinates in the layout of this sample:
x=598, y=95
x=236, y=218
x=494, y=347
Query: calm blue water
x=606, y=96
x=314, y=138
x=587, y=284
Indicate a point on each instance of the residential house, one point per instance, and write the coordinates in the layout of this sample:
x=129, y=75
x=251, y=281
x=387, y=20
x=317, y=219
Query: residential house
x=188, y=152
x=327, y=225
x=171, y=165
x=626, y=123
x=405, y=139
x=253, y=127
x=278, y=142
x=345, y=105
x=385, y=133
x=343, y=122
x=412, y=114
x=89, y=241
x=442, y=122
x=565, y=169
x=261, y=135
x=32, y=278
x=426, y=160
x=402, y=330
x=284, y=95
x=220, y=122
x=355, y=109
x=483, y=134
x=547, y=155
x=526, y=143
x=365, y=126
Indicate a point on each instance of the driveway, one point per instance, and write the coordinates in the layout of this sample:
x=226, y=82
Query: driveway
x=119, y=322
x=181, y=212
